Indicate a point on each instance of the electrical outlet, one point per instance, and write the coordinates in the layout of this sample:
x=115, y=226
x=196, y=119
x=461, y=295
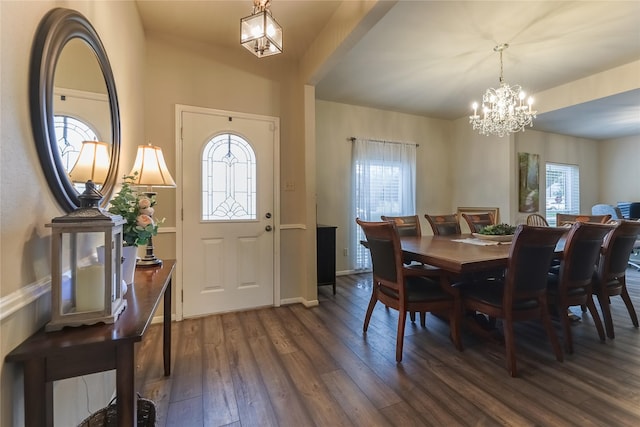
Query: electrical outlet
x=345, y=252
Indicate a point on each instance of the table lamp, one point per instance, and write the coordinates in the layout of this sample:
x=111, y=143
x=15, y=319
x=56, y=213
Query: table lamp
x=92, y=163
x=150, y=170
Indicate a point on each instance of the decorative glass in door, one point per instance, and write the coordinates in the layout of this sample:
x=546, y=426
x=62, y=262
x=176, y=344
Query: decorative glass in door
x=228, y=179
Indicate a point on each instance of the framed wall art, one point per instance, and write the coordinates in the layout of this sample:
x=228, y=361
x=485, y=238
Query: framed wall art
x=529, y=182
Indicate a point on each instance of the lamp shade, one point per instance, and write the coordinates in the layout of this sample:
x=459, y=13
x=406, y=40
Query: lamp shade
x=151, y=168
x=92, y=164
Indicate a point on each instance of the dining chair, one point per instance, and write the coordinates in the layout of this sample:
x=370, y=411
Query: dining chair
x=477, y=221
x=522, y=293
x=568, y=219
x=573, y=284
x=611, y=271
x=444, y=225
x=405, y=289
x=408, y=225
x=537, y=220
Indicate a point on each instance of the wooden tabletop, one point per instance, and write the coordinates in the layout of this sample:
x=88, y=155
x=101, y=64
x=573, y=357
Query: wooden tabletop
x=455, y=257
x=143, y=298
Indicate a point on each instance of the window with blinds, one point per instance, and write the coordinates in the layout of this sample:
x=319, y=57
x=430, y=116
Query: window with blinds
x=562, y=190
x=384, y=182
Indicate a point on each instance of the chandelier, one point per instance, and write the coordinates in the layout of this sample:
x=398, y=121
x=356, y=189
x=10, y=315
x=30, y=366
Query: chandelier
x=503, y=109
x=259, y=32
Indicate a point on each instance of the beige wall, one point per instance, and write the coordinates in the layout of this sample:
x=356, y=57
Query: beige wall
x=154, y=74
x=459, y=167
x=619, y=163
x=181, y=72
x=26, y=204
x=556, y=148
x=335, y=123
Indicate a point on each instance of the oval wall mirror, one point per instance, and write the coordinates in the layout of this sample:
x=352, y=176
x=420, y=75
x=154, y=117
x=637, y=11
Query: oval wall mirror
x=72, y=99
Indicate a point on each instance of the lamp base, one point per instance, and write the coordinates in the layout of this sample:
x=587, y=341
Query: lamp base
x=149, y=262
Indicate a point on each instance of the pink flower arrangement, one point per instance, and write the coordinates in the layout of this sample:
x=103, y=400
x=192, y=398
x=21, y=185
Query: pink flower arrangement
x=137, y=209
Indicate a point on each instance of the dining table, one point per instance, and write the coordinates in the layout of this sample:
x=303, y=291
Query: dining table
x=456, y=254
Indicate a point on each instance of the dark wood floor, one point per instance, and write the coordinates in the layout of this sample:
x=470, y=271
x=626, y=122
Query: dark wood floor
x=293, y=366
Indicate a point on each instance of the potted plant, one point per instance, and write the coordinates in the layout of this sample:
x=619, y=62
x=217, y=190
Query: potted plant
x=137, y=210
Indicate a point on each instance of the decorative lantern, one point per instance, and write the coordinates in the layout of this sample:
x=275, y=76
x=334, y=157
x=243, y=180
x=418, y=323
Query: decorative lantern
x=85, y=288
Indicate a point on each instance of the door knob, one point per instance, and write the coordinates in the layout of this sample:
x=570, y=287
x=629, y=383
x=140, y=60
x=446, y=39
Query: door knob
x=267, y=215
x=268, y=228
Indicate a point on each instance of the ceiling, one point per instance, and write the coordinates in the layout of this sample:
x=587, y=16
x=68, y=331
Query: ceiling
x=434, y=58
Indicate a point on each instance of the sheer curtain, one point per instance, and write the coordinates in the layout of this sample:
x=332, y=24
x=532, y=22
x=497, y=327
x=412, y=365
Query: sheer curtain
x=383, y=183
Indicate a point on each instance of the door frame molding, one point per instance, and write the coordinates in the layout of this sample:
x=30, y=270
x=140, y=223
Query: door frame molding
x=181, y=108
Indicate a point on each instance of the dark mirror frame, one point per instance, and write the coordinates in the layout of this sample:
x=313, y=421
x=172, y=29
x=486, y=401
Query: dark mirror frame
x=57, y=28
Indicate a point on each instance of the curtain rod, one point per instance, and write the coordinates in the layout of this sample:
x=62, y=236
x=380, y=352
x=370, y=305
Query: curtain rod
x=353, y=138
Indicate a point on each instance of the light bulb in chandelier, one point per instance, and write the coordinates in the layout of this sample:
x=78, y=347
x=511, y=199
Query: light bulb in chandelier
x=504, y=110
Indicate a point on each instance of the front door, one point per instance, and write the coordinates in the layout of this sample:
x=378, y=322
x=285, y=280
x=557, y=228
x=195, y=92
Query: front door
x=228, y=239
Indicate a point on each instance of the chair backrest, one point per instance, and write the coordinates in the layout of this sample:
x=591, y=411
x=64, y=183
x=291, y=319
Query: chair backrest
x=407, y=225
x=529, y=260
x=537, y=220
x=568, y=219
x=581, y=252
x=383, y=242
x=477, y=221
x=616, y=250
x=604, y=209
x=444, y=225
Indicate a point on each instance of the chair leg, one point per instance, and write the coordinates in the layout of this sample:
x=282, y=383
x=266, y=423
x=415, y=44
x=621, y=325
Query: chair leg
x=367, y=317
x=551, y=333
x=596, y=317
x=627, y=301
x=510, y=347
x=606, y=315
x=412, y=316
x=566, y=329
x=402, y=318
x=423, y=319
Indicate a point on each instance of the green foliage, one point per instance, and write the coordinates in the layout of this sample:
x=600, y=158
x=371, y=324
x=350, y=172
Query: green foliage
x=498, y=230
x=137, y=209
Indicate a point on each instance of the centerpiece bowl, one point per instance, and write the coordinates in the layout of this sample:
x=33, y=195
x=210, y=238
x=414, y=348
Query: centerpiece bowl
x=496, y=233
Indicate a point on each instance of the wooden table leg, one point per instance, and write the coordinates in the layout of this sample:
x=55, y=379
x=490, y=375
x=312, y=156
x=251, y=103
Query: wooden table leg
x=38, y=395
x=126, y=400
x=166, y=342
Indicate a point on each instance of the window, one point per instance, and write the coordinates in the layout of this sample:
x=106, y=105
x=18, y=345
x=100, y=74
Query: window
x=228, y=179
x=384, y=176
x=70, y=132
x=562, y=190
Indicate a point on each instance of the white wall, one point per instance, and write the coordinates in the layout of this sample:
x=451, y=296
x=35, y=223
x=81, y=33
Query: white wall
x=26, y=204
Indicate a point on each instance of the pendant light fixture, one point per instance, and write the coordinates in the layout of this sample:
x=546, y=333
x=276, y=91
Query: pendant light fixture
x=260, y=33
x=503, y=109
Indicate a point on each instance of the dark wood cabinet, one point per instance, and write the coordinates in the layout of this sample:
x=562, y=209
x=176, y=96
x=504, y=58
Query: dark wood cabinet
x=326, y=255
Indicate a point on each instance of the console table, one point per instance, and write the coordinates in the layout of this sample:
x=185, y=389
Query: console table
x=75, y=351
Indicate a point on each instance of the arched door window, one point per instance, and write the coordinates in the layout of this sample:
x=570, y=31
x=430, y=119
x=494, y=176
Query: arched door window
x=70, y=132
x=228, y=179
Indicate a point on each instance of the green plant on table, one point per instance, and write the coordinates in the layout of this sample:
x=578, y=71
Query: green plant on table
x=137, y=210
x=498, y=230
